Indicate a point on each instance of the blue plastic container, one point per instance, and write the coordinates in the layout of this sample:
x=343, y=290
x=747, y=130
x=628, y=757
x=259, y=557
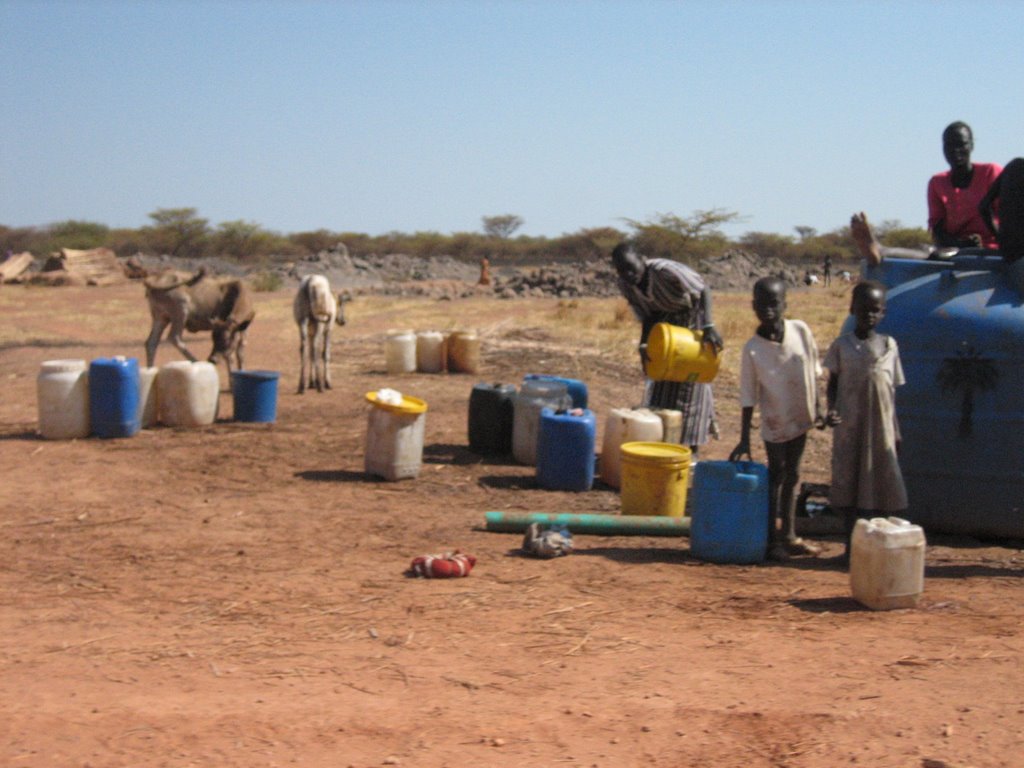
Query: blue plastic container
x=959, y=325
x=114, y=396
x=255, y=395
x=565, y=450
x=491, y=415
x=577, y=389
x=729, y=513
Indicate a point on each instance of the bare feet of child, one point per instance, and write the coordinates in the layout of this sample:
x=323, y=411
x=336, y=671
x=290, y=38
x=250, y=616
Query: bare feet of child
x=862, y=235
x=802, y=547
x=780, y=551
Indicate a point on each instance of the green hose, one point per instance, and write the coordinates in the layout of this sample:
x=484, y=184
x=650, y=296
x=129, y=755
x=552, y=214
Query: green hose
x=601, y=525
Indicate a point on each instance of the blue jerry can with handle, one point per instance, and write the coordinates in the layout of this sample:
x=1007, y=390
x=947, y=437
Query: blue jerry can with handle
x=729, y=512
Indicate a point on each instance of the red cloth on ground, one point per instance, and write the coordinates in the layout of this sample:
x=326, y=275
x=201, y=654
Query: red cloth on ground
x=448, y=565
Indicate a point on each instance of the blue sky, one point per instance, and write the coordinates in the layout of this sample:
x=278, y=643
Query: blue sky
x=426, y=116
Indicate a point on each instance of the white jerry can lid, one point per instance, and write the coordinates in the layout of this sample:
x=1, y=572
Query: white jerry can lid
x=894, y=530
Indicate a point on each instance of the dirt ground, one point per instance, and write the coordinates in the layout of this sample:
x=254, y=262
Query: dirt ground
x=236, y=595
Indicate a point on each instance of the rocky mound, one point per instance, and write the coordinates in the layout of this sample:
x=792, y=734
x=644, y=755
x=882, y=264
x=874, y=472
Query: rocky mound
x=445, y=277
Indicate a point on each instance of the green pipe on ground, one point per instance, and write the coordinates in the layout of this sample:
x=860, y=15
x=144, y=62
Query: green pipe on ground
x=600, y=525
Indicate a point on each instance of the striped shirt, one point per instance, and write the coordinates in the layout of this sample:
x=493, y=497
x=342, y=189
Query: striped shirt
x=668, y=288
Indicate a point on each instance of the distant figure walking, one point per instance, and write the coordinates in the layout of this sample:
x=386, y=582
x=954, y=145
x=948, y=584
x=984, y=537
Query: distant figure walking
x=826, y=271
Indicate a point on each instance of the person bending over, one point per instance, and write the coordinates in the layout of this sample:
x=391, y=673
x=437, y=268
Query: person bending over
x=662, y=290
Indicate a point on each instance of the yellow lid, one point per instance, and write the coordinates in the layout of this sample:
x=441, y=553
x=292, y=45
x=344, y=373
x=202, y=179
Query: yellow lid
x=658, y=453
x=408, y=405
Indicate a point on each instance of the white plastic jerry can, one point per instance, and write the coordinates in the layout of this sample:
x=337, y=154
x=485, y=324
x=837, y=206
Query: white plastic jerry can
x=626, y=425
x=400, y=352
x=188, y=393
x=887, y=563
x=62, y=389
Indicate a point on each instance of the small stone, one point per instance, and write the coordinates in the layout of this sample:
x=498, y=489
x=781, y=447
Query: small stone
x=645, y=728
x=614, y=740
x=947, y=730
x=392, y=760
x=498, y=742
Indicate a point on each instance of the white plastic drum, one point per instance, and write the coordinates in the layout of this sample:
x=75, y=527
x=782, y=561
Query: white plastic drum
x=148, y=409
x=188, y=393
x=626, y=425
x=394, y=437
x=430, y=351
x=533, y=396
x=464, y=352
x=400, y=352
x=672, y=421
x=62, y=392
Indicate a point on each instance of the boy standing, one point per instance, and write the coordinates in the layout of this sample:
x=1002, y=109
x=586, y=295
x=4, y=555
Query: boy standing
x=778, y=374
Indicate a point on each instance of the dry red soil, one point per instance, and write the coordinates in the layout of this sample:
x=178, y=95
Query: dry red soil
x=236, y=595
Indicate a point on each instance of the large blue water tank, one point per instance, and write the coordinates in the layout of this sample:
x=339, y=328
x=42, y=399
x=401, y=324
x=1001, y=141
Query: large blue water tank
x=960, y=329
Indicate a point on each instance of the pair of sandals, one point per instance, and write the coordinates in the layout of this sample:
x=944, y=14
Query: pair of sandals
x=783, y=550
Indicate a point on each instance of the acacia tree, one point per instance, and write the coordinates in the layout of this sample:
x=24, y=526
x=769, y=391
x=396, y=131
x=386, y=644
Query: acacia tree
x=768, y=244
x=245, y=240
x=501, y=227
x=177, y=231
x=77, y=234
x=683, y=238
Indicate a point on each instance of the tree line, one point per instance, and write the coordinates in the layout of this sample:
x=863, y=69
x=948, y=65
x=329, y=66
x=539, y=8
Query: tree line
x=183, y=232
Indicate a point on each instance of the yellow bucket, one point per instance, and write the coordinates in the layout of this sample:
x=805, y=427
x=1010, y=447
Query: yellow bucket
x=654, y=479
x=677, y=354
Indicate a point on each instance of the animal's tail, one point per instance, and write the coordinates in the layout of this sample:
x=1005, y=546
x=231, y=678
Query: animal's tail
x=168, y=281
x=319, y=296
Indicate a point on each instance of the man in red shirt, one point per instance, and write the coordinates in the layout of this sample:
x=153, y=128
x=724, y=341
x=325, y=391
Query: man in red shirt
x=955, y=195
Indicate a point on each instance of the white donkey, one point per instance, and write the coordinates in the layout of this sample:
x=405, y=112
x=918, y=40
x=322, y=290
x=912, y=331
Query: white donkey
x=315, y=308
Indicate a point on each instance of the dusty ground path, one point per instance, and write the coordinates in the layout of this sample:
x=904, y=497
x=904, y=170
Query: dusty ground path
x=234, y=595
